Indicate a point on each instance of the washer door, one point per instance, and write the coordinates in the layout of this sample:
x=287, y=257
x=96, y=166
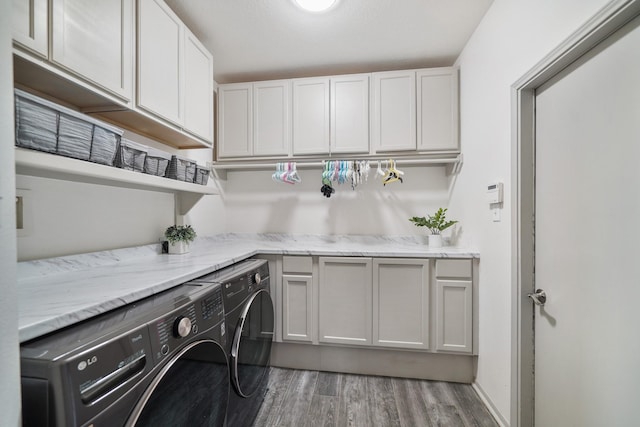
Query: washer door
x=251, y=347
x=191, y=390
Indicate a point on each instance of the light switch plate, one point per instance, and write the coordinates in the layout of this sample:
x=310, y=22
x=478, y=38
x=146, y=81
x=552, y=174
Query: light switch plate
x=495, y=214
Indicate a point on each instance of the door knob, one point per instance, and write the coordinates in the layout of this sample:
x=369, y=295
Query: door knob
x=539, y=297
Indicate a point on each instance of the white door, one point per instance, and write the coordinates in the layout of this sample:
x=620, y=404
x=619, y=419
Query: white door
x=310, y=116
x=350, y=114
x=198, y=87
x=271, y=118
x=394, y=111
x=587, y=369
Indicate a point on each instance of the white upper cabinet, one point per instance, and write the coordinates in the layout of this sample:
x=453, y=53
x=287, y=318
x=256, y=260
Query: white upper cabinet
x=175, y=72
x=95, y=40
x=437, y=109
x=235, y=124
x=394, y=111
x=198, y=88
x=271, y=118
x=160, y=61
x=350, y=114
x=311, y=116
x=30, y=25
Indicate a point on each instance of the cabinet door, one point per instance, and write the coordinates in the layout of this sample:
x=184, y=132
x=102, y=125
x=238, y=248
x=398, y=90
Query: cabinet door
x=297, y=308
x=345, y=300
x=234, y=120
x=401, y=303
x=454, y=316
x=310, y=116
x=30, y=25
x=271, y=118
x=94, y=39
x=437, y=109
x=160, y=41
x=394, y=111
x=198, y=88
x=350, y=114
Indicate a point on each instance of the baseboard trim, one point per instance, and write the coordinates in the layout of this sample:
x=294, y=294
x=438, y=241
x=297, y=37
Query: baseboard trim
x=368, y=361
x=490, y=406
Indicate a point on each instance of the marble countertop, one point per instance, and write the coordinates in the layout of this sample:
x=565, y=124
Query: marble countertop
x=58, y=292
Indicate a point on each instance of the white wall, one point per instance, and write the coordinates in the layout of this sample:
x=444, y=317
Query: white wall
x=511, y=38
x=63, y=218
x=9, y=360
x=255, y=203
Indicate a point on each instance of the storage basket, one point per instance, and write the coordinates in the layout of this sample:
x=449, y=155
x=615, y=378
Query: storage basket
x=156, y=162
x=181, y=169
x=45, y=126
x=201, y=175
x=131, y=155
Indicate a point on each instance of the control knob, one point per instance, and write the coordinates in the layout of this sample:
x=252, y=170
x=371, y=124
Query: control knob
x=257, y=278
x=182, y=327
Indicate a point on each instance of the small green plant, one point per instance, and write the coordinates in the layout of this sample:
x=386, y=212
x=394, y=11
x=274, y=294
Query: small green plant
x=436, y=223
x=180, y=233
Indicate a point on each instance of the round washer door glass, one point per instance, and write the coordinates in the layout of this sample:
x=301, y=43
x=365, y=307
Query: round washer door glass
x=252, y=344
x=191, y=390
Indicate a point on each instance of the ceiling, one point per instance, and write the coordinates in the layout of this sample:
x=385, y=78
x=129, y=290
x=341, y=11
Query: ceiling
x=267, y=39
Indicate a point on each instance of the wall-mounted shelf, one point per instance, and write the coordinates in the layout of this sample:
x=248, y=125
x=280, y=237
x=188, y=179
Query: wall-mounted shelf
x=35, y=163
x=452, y=161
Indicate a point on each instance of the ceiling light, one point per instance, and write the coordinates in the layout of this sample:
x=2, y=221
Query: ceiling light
x=315, y=5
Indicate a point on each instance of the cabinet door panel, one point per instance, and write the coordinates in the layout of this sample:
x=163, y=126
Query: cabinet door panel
x=401, y=303
x=310, y=116
x=297, y=320
x=271, y=118
x=350, y=114
x=30, y=25
x=454, y=316
x=160, y=37
x=234, y=120
x=94, y=39
x=437, y=109
x=394, y=106
x=198, y=88
x=345, y=300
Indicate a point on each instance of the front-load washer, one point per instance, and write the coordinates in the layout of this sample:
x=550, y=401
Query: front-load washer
x=158, y=362
x=250, y=326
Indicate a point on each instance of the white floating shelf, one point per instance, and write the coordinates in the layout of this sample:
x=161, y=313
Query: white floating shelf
x=35, y=163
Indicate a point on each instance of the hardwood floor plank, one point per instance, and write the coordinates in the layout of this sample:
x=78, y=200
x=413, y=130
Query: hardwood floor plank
x=295, y=406
x=328, y=384
x=279, y=380
x=323, y=411
x=353, y=409
x=471, y=406
x=412, y=409
x=382, y=402
x=441, y=405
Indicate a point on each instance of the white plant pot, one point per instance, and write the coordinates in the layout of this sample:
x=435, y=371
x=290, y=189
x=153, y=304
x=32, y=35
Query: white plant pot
x=435, y=241
x=178, y=248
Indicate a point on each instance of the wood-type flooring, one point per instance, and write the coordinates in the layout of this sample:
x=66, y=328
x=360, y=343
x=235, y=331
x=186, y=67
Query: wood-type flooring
x=311, y=398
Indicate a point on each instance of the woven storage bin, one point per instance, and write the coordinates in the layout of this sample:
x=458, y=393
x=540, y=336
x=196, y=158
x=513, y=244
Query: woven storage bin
x=46, y=126
x=131, y=155
x=181, y=169
x=156, y=162
x=201, y=175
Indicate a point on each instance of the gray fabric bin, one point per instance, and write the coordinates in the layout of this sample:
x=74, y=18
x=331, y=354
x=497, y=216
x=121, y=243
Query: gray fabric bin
x=201, y=176
x=156, y=162
x=45, y=126
x=181, y=169
x=131, y=155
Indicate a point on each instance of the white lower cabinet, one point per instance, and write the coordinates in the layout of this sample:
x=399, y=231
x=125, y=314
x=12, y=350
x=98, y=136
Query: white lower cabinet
x=345, y=309
x=401, y=303
x=297, y=303
x=454, y=306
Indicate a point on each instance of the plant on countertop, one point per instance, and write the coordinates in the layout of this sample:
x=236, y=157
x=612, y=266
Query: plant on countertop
x=436, y=223
x=180, y=233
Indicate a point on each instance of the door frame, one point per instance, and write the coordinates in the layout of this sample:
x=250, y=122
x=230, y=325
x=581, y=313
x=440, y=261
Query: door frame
x=609, y=19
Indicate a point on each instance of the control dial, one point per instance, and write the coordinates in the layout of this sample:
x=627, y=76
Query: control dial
x=257, y=278
x=182, y=326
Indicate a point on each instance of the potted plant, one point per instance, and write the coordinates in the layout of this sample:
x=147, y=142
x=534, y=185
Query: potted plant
x=179, y=237
x=436, y=223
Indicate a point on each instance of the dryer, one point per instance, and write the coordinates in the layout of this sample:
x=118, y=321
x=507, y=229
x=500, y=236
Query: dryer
x=250, y=328
x=160, y=361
